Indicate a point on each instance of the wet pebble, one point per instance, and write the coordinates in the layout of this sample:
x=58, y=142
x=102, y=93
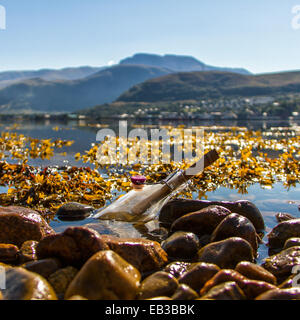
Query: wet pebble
x=198, y=274
x=281, y=264
x=236, y=225
x=201, y=222
x=145, y=255
x=181, y=245
x=22, y=284
x=176, y=208
x=251, y=288
x=282, y=232
x=105, y=276
x=73, y=211
x=72, y=247
x=227, y=253
x=8, y=253
x=18, y=224
x=255, y=272
x=158, y=284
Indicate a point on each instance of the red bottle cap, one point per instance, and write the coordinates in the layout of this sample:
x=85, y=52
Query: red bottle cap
x=138, y=180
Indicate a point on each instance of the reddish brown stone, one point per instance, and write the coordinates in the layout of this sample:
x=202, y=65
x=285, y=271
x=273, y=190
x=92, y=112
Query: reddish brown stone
x=8, y=253
x=145, y=255
x=198, y=274
x=251, y=288
x=255, y=272
x=72, y=247
x=18, y=224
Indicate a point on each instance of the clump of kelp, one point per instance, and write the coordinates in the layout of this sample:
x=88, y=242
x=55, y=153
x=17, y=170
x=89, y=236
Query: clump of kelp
x=246, y=157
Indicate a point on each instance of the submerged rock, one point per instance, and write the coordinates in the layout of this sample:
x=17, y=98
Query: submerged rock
x=225, y=291
x=72, y=247
x=251, y=288
x=145, y=255
x=255, y=272
x=105, y=276
x=198, y=274
x=9, y=253
x=201, y=222
x=184, y=245
x=236, y=225
x=184, y=292
x=227, y=253
x=282, y=232
x=158, y=284
x=280, y=294
x=281, y=264
x=18, y=224
x=73, y=211
x=177, y=208
x=25, y=285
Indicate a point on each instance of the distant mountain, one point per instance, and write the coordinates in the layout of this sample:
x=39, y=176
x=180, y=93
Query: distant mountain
x=67, y=96
x=199, y=85
x=176, y=63
x=11, y=77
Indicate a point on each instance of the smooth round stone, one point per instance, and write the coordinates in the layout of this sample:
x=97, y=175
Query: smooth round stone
x=181, y=245
x=201, y=222
x=236, y=225
x=198, y=274
x=282, y=232
x=227, y=253
x=255, y=272
x=73, y=211
x=19, y=224
x=105, y=276
x=158, y=284
x=22, y=284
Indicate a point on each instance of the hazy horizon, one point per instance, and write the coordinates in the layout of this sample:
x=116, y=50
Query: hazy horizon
x=255, y=35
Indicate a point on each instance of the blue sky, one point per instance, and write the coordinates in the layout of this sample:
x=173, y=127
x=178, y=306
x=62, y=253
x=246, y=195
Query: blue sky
x=253, y=34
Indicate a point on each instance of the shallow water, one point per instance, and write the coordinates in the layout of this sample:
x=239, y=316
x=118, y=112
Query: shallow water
x=269, y=201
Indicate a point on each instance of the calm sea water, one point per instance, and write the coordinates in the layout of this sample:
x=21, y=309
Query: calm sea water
x=269, y=201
